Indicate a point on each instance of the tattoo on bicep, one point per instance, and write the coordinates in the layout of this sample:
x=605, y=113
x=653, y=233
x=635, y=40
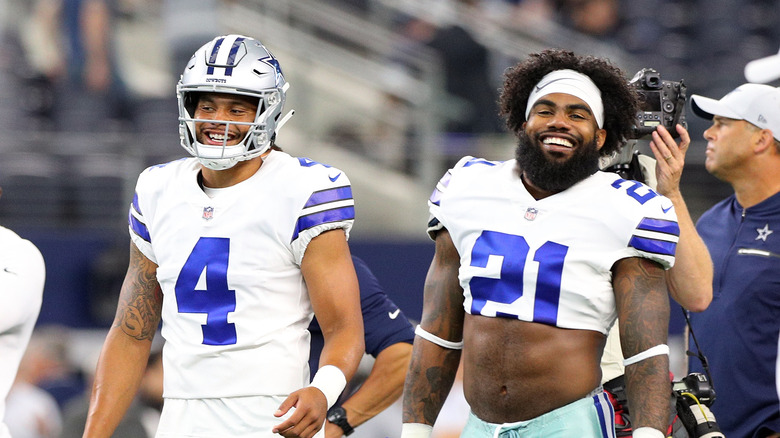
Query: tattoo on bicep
x=140, y=301
x=644, y=305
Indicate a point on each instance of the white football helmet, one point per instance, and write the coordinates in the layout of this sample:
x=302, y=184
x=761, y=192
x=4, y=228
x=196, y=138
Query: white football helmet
x=232, y=64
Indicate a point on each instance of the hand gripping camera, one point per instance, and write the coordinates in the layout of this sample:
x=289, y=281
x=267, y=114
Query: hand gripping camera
x=694, y=395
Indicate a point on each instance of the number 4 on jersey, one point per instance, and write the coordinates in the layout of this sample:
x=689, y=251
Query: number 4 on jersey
x=211, y=255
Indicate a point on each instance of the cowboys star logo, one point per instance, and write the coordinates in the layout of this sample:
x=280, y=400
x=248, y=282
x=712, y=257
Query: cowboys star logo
x=763, y=233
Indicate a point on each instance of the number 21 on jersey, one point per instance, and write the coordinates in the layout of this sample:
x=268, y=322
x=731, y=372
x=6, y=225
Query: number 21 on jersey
x=509, y=286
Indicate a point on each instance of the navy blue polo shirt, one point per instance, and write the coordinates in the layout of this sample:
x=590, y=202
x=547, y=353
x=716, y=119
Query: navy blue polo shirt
x=384, y=323
x=738, y=333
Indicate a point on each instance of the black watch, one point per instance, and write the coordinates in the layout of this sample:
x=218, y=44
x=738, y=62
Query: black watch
x=338, y=416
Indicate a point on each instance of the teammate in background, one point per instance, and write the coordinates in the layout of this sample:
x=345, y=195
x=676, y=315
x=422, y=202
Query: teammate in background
x=22, y=277
x=738, y=333
x=388, y=338
x=536, y=257
x=234, y=250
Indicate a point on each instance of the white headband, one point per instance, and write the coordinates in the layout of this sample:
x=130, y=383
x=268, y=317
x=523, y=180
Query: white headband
x=569, y=82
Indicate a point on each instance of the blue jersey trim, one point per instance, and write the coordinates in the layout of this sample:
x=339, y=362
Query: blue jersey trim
x=659, y=225
x=329, y=195
x=139, y=228
x=323, y=217
x=653, y=246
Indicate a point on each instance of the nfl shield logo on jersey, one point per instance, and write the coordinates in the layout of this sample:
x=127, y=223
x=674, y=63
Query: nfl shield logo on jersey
x=208, y=213
x=530, y=214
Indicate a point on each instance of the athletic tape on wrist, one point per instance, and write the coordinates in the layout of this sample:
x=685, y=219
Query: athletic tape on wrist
x=416, y=430
x=430, y=337
x=650, y=352
x=331, y=381
x=648, y=432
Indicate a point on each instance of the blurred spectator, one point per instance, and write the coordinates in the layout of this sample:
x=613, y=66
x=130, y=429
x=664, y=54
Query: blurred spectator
x=69, y=44
x=47, y=364
x=31, y=411
x=466, y=66
x=140, y=420
x=597, y=18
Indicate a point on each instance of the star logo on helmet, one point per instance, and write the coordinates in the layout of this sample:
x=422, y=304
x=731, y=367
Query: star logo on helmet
x=271, y=61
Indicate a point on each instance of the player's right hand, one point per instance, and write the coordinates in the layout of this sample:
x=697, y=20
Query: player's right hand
x=309, y=408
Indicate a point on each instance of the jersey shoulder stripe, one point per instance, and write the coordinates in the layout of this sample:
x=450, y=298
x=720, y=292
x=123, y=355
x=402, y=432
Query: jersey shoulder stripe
x=137, y=227
x=659, y=236
x=338, y=214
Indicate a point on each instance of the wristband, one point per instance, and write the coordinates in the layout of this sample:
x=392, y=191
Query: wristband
x=648, y=432
x=331, y=381
x=650, y=352
x=416, y=430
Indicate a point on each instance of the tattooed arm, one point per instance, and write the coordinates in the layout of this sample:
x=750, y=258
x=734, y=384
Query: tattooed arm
x=126, y=349
x=432, y=369
x=643, y=314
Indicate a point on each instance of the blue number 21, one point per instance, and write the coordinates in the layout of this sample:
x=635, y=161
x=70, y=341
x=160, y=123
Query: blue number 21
x=210, y=254
x=509, y=287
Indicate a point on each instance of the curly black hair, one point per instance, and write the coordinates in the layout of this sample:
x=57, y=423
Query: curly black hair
x=620, y=100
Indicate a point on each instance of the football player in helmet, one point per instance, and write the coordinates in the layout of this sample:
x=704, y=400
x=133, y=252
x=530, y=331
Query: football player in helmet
x=234, y=267
x=245, y=70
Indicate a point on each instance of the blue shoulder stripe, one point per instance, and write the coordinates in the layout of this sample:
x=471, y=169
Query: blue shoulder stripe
x=653, y=246
x=329, y=195
x=659, y=225
x=135, y=203
x=323, y=217
x=139, y=228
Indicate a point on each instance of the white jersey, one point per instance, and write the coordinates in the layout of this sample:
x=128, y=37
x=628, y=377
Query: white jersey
x=548, y=260
x=235, y=305
x=22, y=275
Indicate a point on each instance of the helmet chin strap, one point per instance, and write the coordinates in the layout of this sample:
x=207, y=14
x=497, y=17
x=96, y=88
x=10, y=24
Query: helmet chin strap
x=283, y=121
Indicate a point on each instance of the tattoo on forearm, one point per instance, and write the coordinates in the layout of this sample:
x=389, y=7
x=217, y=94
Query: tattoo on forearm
x=140, y=301
x=643, y=305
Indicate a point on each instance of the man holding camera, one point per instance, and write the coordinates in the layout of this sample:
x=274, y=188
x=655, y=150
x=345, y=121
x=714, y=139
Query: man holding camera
x=535, y=257
x=739, y=331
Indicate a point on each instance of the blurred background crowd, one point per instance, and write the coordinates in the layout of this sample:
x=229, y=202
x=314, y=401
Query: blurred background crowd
x=390, y=91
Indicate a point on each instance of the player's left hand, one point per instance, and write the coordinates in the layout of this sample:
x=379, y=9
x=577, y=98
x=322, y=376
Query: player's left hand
x=311, y=407
x=670, y=158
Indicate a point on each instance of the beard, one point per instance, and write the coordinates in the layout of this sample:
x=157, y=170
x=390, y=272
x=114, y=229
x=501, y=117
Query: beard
x=550, y=175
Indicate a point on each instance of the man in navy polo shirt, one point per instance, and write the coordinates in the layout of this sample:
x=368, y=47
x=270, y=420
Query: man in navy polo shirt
x=739, y=331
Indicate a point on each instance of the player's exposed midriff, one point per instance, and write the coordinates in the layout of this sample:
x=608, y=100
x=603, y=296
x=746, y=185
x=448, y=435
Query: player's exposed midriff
x=516, y=370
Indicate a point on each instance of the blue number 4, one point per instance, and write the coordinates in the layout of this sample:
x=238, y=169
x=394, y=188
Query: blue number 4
x=210, y=254
x=509, y=287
